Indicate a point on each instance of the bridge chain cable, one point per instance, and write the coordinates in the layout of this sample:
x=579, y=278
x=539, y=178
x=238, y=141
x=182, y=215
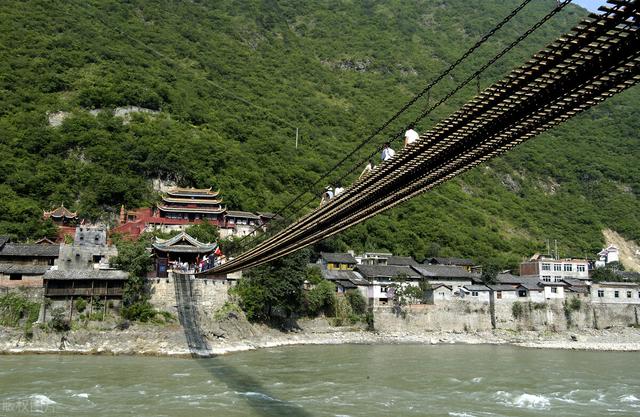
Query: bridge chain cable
x=397, y=135
x=394, y=117
x=597, y=59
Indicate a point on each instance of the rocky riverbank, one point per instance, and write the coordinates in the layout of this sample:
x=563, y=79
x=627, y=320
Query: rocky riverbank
x=236, y=335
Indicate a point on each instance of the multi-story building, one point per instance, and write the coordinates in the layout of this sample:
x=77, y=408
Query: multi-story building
x=548, y=269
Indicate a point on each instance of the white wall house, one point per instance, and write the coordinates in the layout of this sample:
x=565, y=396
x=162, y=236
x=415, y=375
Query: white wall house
x=615, y=292
x=383, y=278
x=553, y=290
x=608, y=255
x=548, y=269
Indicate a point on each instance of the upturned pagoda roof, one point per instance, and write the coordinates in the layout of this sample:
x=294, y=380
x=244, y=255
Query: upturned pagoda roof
x=183, y=243
x=61, y=212
x=192, y=192
x=192, y=209
x=191, y=200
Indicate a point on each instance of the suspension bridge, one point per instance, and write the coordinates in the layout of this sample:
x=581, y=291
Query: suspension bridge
x=597, y=59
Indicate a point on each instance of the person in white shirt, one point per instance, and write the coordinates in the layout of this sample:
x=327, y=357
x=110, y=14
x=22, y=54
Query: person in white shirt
x=410, y=136
x=367, y=169
x=337, y=191
x=387, y=153
x=327, y=195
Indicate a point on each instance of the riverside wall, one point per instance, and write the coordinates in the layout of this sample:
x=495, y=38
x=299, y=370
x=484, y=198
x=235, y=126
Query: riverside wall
x=465, y=316
x=207, y=294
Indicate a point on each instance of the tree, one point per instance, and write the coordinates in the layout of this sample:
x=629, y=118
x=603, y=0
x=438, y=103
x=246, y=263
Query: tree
x=134, y=258
x=269, y=290
x=321, y=298
x=489, y=274
x=356, y=301
x=204, y=232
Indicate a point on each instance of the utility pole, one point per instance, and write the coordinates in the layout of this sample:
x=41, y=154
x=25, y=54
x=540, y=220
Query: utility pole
x=556, y=244
x=296, y=138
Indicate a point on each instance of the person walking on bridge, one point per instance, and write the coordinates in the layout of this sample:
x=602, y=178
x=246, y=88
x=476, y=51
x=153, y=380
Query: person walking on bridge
x=367, y=169
x=387, y=152
x=410, y=136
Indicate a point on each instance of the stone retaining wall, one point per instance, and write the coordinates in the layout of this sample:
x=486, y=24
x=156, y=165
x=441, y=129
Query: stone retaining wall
x=459, y=315
x=208, y=294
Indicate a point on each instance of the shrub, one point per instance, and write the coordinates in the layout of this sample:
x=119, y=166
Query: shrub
x=58, y=321
x=356, y=301
x=321, y=299
x=81, y=304
x=517, y=309
x=141, y=311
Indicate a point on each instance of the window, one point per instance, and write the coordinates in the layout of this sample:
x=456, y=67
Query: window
x=600, y=293
x=616, y=294
x=499, y=295
x=581, y=268
x=546, y=267
x=15, y=277
x=628, y=294
x=97, y=258
x=546, y=278
x=384, y=288
x=522, y=293
x=554, y=290
x=568, y=268
x=557, y=267
x=557, y=278
x=474, y=293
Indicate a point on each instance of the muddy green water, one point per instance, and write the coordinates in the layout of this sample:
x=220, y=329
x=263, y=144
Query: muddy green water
x=300, y=381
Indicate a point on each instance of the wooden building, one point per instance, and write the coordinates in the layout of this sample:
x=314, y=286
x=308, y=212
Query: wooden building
x=180, y=248
x=19, y=275
x=192, y=204
x=28, y=253
x=99, y=283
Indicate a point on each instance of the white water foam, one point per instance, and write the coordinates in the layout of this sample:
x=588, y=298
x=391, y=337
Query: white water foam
x=530, y=401
x=463, y=414
x=81, y=395
x=40, y=400
x=257, y=395
x=477, y=380
x=629, y=399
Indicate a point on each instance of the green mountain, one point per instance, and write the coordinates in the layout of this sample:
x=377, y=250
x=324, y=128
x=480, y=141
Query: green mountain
x=230, y=81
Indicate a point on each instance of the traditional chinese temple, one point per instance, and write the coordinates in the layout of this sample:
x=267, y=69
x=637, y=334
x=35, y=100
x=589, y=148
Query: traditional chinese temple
x=183, y=207
x=191, y=204
x=65, y=219
x=180, y=248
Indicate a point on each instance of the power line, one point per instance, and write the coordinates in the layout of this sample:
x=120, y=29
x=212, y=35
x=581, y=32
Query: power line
x=468, y=80
x=405, y=107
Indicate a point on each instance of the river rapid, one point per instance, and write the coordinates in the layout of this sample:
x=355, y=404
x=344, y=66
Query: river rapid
x=346, y=380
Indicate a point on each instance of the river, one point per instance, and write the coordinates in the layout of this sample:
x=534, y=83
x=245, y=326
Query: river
x=347, y=380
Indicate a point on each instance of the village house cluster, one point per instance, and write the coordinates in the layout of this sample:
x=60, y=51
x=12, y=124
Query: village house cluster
x=542, y=278
x=69, y=268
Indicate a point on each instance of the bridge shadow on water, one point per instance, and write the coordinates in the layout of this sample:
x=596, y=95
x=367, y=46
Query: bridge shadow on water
x=261, y=401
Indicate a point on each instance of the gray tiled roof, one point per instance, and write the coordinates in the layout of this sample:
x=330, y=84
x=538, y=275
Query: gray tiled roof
x=449, y=261
x=23, y=269
x=530, y=283
x=242, y=214
x=105, y=274
x=3, y=240
x=30, y=249
x=476, y=288
x=502, y=287
x=443, y=271
x=402, y=260
x=386, y=271
x=575, y=282
x=336, y=275
x=340, y=258
x=347, y=284
x=617, y=284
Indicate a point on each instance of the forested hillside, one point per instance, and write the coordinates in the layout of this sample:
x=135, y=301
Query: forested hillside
x=232, y=80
